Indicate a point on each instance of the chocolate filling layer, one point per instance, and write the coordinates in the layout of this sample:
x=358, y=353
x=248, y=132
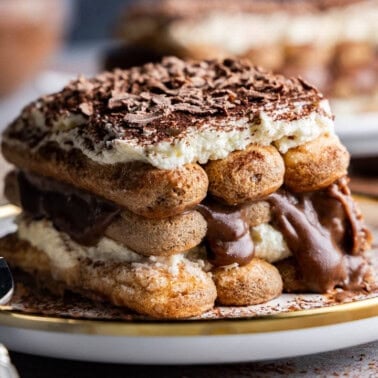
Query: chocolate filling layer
x=228, y=239
x=81, y=215
x=323, y=229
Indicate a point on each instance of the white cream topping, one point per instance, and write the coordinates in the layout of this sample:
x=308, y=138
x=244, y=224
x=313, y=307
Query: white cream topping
x=65, y=253
x=209, y=142
x=236, y=33
x=269, y=243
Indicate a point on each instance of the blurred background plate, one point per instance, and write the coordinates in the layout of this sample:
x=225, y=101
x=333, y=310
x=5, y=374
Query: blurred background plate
x=359, y=133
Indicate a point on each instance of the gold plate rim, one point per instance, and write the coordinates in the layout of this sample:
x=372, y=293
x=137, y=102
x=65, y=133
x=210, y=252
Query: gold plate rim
x=323, y=316
x=286, y=321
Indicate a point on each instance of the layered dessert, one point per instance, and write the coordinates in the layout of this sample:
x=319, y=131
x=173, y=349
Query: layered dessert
x=173, y=186
x=331, y=43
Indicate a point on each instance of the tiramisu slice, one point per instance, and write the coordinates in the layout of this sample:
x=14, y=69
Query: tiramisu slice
x=170, y=186
x=332, y=43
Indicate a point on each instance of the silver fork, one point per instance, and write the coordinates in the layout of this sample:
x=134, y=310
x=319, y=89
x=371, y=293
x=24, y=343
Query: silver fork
x=7, y=370
x=6, y=282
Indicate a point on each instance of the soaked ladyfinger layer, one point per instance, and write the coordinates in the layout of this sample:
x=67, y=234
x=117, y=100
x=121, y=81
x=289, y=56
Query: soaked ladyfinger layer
x=158, y=237
x=139, y=187
x=160, y=289
x=40, y=249
x=258, y=171
x=87, y=218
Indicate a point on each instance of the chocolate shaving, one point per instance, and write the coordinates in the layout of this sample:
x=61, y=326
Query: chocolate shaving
x=86, y=108
x=171, y=95
x=142, y=117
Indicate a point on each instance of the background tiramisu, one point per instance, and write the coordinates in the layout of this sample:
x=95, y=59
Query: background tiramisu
x=332, y=43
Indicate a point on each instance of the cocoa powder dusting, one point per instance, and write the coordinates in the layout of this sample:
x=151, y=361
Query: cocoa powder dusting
x=159, y=102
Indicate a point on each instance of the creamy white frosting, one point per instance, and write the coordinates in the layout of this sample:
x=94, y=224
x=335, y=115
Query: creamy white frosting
x=269, y=243
x=209, y=142
x=65, y=253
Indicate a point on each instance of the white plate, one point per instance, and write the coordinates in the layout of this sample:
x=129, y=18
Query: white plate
x=291, y=325
x=190, y=349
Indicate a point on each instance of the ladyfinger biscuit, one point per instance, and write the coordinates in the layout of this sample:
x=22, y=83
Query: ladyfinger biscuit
x=159, y=237
x=148, y=288
x=146, y=236
x=139, y=187
x=257, y=213
x=255, y=283
x=316, y=164
x=245, y=176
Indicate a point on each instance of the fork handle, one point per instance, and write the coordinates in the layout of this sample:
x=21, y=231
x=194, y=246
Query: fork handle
x=7, y=370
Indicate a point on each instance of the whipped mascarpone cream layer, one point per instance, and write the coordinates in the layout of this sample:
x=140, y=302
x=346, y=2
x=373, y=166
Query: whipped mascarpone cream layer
x=65, y=253
x=175, y=112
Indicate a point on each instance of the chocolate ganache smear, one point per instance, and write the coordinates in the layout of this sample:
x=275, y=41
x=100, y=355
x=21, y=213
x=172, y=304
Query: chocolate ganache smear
x=324, y=231
x=228, y=239
x=81, y=215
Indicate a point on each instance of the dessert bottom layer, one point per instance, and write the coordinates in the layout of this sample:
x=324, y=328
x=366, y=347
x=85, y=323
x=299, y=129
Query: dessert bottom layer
x=239, y=255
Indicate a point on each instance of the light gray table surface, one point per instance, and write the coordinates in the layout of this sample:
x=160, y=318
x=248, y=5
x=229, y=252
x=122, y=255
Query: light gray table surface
x=360, y=362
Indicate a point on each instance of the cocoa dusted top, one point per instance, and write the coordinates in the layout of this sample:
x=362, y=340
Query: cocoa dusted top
x=159, y=102
x=173, y=9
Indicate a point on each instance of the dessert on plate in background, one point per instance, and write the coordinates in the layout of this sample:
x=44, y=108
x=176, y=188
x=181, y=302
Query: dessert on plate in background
x=331, y=43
